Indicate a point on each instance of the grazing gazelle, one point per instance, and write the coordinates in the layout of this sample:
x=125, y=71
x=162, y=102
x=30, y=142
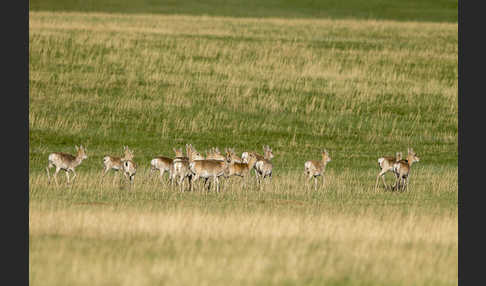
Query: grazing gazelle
x=65, y=162
x=207, y=169
x=163, y=164
x=263, y=168
x=129, y=170
x=116, y=163
x=239, y=169
x=386, y=165
x=315, y=168
x=402, y=168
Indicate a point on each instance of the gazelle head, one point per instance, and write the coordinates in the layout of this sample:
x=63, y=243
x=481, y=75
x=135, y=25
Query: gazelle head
x=412, y=156
x=128, y=153
x=325, y=156
x=267, y=152
x=192, y=154
x=81, y=152
x=228, y=155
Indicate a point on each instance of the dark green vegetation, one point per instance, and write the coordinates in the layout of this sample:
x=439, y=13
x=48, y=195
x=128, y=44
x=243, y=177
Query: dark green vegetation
x=412, y=10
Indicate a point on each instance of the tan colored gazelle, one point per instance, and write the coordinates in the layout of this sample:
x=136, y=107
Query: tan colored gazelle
x=129, y=170
x=264, y=167
x=65, y=162
x=386, y=165
x=116, y=163
x=207, y=169
x=163, y=164
x=239, y=169
x=315, y=168
x=180, y=168
x=402, y=168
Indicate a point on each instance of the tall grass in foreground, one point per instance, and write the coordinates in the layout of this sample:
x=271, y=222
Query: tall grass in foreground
x=343, y=234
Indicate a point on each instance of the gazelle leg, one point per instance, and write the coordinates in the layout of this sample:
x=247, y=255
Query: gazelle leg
x=115, y=176
x=315, y=183
x=55, y=175
x=48, y=176
x=74, y=173
x=378, y=178
x=67, y=176
x=217, y=183
x=162, y=170
x=103, y=173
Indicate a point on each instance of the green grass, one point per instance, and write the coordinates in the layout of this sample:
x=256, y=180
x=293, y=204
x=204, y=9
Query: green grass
x=360, y=88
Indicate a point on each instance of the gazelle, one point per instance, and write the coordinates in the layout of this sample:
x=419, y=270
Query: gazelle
x=116, y=163
x=163, y=164
x=180, y=168
x=315, y=168
x=208, y=169
x=264, y=167
x=386, y=165
x=129, y=170
x=239, y=169
x=65, y=162
x=402, y=168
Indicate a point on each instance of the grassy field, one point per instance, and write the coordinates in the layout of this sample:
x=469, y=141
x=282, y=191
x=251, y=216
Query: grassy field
x=361, y=87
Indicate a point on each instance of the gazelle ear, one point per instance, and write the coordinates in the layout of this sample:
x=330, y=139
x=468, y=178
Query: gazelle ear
x=76, y=146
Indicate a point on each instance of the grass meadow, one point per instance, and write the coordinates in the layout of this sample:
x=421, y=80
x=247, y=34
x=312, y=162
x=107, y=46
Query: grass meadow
x=361, y=87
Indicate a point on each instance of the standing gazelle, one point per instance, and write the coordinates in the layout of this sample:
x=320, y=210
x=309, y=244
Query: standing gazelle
x=239, y=169
x=129, y=170
x=402, y=169
x=208, y=169
x=116, y=163
x=180, y=168
x=65, y=162
x=163, y=164
x=386, y=165
x=263, y=168
x=314, y=168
